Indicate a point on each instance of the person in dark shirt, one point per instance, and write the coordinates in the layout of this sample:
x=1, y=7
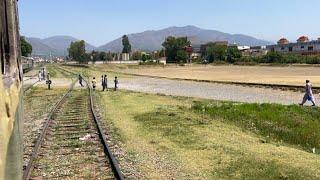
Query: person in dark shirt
x=116, y=82
x=104, y=82
x=80, y=80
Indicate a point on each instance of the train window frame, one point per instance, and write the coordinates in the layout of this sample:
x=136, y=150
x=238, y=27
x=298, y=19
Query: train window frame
x=2, y=58
x=5, y=38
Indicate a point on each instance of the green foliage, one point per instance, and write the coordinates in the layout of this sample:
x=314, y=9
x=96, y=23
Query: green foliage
x=109, y=56
x=77, y=51
x=233, y=54
x=216, y=52
x=145, y=57
x=273, y=57
x=291, y=124
x=95, y=56
x=162, y=53
x=278, y=58
x=26, y=48
x=173, y=46
x=103, y=56
x=182, y=56
x=126, y=44
x=173, y=123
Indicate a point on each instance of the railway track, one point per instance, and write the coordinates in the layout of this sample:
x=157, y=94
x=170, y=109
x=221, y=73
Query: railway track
x=72, y=144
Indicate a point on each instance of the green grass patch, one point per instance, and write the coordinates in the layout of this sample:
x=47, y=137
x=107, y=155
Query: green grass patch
x=173, y=123
x=197, y=145
x=292, y=124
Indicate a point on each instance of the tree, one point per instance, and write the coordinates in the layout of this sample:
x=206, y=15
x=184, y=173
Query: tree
x=182, y=56
x=162, y=53
x=172, y=45
x=110, y=56
x=273, y=57
x=77, y=51
x=26, y=48
x=103, y=56
x=145, y=57
x=126, y=44
x=216, y=52
x=95, y=56
x=232, y=54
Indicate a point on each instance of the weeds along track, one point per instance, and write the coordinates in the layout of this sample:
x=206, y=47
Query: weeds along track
x=72, y=144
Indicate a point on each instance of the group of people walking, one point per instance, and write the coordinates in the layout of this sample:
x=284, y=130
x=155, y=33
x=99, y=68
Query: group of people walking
x=104, y=82
x=42, y=75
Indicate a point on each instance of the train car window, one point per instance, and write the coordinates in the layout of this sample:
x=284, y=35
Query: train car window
x=1, y=41
x=2, y=55
x=5, y=44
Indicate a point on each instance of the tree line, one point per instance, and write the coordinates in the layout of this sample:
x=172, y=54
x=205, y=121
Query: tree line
x=281, y=58
x=175, y=52
x=77, y=52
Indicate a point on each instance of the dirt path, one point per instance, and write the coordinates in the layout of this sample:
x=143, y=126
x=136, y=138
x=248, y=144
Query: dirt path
x=211, y=91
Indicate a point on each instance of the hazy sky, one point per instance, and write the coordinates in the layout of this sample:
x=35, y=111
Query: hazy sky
x=100, y=21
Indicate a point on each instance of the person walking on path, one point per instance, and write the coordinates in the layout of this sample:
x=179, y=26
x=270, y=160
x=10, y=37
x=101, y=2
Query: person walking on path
x=80, y=80
x=43, y=74
x=308, y=95
x=116, y=82
x=40, y=76
x=102, y=82
x=94, y=83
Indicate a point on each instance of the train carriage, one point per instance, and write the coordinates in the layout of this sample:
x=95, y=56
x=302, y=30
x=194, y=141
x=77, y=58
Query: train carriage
x=10, y=92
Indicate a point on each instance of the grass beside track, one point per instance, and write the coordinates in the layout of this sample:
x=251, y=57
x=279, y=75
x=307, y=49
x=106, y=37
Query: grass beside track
x=291, y=124
x=173, y=137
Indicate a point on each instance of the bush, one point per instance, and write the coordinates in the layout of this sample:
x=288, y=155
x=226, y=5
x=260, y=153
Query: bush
x=277, y=58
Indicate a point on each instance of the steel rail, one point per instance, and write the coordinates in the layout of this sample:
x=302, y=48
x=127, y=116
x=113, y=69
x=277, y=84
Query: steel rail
x=35, y=153
x=113, y=162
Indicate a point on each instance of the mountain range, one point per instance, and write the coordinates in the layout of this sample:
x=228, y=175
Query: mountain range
x=55, y=45
x=144, y=41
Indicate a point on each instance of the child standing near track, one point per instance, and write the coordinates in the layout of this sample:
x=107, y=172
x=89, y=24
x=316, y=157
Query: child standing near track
x=116, y=82
x=94, y=83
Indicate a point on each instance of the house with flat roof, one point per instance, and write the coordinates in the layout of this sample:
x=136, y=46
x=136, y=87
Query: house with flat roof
x=303, y=46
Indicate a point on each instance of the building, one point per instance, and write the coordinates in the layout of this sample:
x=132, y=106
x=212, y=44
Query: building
x=256, y=51
x=303, y=46
x=253, y=51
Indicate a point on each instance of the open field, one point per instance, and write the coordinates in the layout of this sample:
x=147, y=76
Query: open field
x=290, y=75
x=169, y=137
x=225, y=92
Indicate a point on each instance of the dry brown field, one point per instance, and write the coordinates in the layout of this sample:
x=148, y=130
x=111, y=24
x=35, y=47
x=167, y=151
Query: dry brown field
x=289, y=75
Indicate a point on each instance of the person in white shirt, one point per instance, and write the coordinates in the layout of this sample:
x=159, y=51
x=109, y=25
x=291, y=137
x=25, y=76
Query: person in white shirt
x=40, y=76
x=308, y=96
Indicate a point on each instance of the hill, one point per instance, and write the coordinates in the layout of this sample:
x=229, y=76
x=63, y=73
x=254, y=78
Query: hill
x=152, y=40
x=145, y=41
x=56, y=45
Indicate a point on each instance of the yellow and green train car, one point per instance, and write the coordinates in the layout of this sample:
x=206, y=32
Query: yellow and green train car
x=10, y=92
